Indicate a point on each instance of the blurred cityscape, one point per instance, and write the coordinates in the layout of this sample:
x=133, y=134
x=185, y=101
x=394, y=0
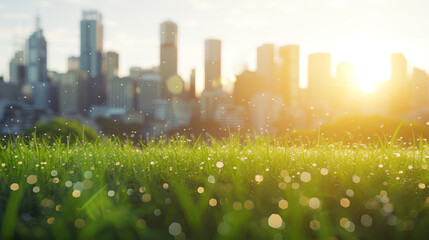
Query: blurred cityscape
x=157, y=101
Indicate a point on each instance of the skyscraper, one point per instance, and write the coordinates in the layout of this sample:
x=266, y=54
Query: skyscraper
x=265, y=65
x=91, y=49
x=168, y=54
x=17, y=68
x=212, y=64
x=192, y=87
x=398, y=70
x=36, y=57
x=319, y=76
x=288, y=85
x=110, y=69
x=399, y=97
x=73, y=63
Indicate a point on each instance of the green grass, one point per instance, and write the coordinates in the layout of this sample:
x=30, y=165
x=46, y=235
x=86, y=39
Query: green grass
x=111, y=190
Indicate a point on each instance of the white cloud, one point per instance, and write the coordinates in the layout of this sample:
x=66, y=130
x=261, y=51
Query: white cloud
x=77, y=2
x=245, y=21
x=341, y=3
x=110, y=23
x=191, y=23
x=16, y=16
x=44, y=3
x=202, y=4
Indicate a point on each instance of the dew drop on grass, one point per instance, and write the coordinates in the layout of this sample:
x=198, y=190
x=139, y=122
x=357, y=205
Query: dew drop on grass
x=248, y=204
x=79, y=223
x=275, y=221
x=259, y=178
x=211, y=179
x=350, y=193
x=422, y=185
x=87, y=175
x=76, y=193
x=32, y=179
x=54, y=173
x=283, y=204
x=146, y=197
x=141, y=223
x=314, y=225
x=366, y=220
x=36, y=189
x=165, y=185
x=356, y=179
x=111, y=193
x=305, y=177
x=212, y=202
x=314, y=203
x=324, y=171
x=345, y=202
x=219, y=164
x=175, y=229
x=237, y=206
x=200, y=190
x=68, y=184
x=14, y=186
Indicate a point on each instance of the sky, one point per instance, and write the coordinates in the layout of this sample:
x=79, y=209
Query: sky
x=365, y=32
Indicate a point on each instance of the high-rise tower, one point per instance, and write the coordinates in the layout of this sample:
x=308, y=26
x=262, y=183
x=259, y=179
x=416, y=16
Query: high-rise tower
x=212, y=64
x=91, y=55
x=36, y=57
x=168, y=54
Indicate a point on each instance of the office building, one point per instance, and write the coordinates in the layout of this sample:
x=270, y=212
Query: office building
x=212, y=64
x=266, y=67
x=73, y=63
x=192, y=86
x=168, y=54
x=147, y=92
x=36, y=57
x=17, y=70
x=91, y=49
x=288, y=81
x=319, y=77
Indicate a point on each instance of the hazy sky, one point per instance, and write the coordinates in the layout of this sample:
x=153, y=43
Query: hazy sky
x=363, y=31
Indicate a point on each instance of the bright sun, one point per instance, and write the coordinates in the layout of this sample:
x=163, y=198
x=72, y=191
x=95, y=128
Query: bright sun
x=372, y=70
x=371, y=61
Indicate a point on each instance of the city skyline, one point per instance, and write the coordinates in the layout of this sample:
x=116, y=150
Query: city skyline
x=234, y=57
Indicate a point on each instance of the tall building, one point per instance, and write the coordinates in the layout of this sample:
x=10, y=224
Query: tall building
x=72, y=92
x=319, y=77
x=345, y=88
x=148, y=90
x=399, y=94
x=210, y=101
x=288, y=85
x=121, y=94
x=17, y=70
x=36, y=57
x=111, y=64
x=398, y=69
x=192, y=87
x=265, y=66
x=212, y=64
x=73, y=63
x=91, y=49
x=246, y=85
x=168, y=54
x=419, y=88
x=110, y=69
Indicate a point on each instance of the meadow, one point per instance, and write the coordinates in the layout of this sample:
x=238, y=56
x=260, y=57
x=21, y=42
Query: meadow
x=235, y=188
